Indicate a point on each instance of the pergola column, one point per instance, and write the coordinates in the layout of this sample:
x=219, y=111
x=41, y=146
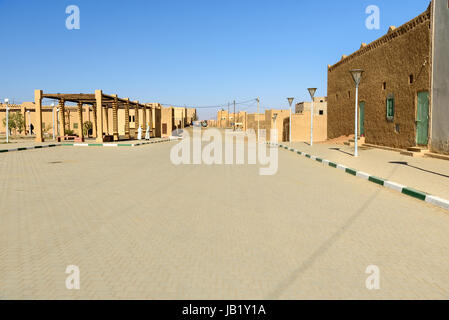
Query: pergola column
x=94, y=122
x=62, y=117
x=106, y=118
x=150, y=114
x=38, y=104
x=115, y=118
x=23, y=111
x=127, y=135
x=144, y=118
x=136, y=119
x=80, y=121
x=99, y=111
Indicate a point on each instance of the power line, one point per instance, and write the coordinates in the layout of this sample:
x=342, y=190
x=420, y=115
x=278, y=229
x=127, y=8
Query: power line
x=207, y=107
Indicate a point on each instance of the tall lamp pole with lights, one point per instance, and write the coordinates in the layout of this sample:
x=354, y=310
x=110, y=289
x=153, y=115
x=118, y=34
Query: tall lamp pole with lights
x=357, y=76
x=312, y=92
x=290, y=102
x=276, y=129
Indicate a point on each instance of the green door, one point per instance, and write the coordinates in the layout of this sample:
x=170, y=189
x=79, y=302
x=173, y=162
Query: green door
x=362, y=118
x=422, y=119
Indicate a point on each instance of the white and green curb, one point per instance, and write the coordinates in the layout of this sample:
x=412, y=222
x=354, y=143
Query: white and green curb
x=439, y=202
x=30, y=148
x=113, y=144
x=85, y=145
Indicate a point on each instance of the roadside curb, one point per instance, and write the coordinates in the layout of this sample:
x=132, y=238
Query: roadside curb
x=85, y=145
x=30, y=148
x=112, y=144
x=436, y=201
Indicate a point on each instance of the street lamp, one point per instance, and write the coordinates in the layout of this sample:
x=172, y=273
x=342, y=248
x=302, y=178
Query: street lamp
x=29, y=122
x=357, y=76
x=290, y=101
x=7, y=120
x=275, y=128
x=53, y=116
x=312, y=92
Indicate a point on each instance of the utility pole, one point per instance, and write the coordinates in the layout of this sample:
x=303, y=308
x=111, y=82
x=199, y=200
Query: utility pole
x=258, y=118
x=234, y=115
x=7, y=120
x=227, y=125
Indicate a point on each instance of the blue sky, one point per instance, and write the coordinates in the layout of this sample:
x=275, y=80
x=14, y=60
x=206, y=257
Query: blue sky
x=195, y=53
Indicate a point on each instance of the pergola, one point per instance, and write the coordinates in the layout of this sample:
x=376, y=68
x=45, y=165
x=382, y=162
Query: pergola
x=98, y=101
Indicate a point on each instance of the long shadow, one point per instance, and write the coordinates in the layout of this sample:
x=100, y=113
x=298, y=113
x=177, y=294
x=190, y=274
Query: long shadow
x=324, y=247
x=338, y=149
x=418, y=168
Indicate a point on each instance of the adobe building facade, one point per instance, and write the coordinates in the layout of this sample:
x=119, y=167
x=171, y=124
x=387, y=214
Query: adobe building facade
x=319, y=106
x=301, y=127
x=274, y=119
x=395, y=94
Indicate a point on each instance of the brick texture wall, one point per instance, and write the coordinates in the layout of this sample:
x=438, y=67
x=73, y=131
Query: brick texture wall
x=391, y=60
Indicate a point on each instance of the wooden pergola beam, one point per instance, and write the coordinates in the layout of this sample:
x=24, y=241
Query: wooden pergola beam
x=98, y=101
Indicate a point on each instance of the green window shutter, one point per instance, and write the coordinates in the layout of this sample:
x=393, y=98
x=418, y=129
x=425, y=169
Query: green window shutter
x=390, y=108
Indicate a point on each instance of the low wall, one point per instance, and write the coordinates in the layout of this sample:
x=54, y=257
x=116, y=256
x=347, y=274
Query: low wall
x=301, y=128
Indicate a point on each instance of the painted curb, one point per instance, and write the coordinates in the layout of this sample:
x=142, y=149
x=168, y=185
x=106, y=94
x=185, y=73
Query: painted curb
x=30, y=148
x=85, y=145
x=113, y=145
x=416, y=194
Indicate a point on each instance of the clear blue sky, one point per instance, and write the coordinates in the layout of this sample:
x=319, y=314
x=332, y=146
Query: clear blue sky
x=197, y=53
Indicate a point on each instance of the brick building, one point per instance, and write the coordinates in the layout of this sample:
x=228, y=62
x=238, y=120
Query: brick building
x=395, y=96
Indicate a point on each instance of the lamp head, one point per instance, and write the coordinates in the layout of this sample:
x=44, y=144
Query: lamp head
x=357, y=75
x=290, y=101
x=6, y=100
x=312, y=92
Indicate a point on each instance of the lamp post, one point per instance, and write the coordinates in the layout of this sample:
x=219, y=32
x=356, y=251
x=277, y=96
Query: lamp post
x=7, y=120
x=29, y=122
x=275, y=128
x=312, y=92
x=290, y=102
x=357, y=76
x=53, y=116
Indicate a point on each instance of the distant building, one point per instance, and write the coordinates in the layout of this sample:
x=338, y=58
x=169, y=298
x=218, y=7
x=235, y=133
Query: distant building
x=319, y=106
x=274, y=119
x=301, y=127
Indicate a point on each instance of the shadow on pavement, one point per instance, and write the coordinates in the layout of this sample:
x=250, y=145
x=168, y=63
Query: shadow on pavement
x=403, y=163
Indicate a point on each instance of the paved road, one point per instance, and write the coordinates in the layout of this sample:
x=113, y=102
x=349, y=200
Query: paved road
x=139, y=227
